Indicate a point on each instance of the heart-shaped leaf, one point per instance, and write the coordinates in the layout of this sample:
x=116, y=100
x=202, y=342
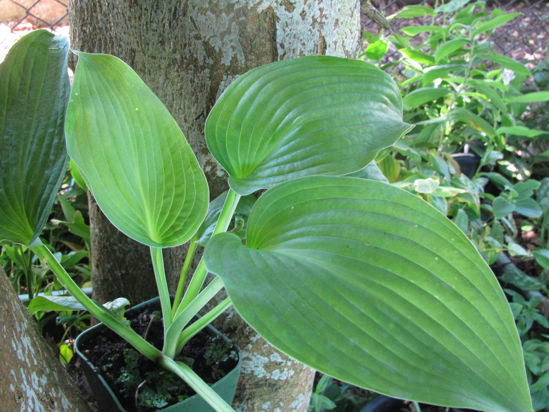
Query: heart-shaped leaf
x=370, y=284
x=34, y=90
x=312, y=115
x=132, y=154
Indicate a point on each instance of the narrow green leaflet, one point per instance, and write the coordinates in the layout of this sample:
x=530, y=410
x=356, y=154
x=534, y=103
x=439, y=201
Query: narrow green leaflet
x=370, y=284
x=411, y=12
x=441, y=72
x=506, y=62
x=307, y=116
x=424, y=95
x=534, y=97
x=489, y=90
x=418, y=56
x=377, y=50
x=466, y=116
x=132, y=154
x=449, y=47
x=413, y=30
x=521, y=131
x=34, y=90
x=495, y=22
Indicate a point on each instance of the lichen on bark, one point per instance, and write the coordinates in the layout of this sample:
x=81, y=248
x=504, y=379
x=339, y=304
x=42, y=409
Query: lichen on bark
x=32, y=377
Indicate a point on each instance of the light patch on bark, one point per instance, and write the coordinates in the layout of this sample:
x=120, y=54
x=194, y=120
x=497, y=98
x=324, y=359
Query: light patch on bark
x=33, y=379
x=329, y=27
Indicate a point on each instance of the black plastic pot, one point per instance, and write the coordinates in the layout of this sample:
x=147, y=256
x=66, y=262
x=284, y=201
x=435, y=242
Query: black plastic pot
x=468, y=163
x=107, y=399
x=382, y=403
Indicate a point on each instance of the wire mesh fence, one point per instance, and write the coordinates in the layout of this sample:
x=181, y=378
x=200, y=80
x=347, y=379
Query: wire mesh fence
x=20, y=14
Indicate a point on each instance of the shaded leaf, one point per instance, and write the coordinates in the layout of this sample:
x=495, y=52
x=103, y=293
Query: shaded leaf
x=424, y=95
x=528, y=208
x=34, y=90
x=473, y=120
x=54, y=303
x=449, y=47
x=520, y=131
x=542, y=257
x=502, y=207
x=507, y=63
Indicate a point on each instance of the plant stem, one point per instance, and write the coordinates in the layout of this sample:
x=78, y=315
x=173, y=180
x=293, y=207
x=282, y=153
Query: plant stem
x=195, y=382
x=182, y=277
x=221, y=226
x=201, y=323
x=104, y=315
x=181, y=319
x=458, y=91
x=162, y=286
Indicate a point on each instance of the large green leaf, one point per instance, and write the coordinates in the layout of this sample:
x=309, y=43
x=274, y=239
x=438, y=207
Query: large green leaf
x=370, y=284
x=312, y=115
x=132, y=154
x=34, y=90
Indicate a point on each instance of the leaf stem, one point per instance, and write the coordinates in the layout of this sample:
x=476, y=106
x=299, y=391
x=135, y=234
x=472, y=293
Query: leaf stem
x=181, y=319
x=201, y=323
x=184, y=271
x=195, y=382
x=200, y=273
x=104, y=315
x=162, y=286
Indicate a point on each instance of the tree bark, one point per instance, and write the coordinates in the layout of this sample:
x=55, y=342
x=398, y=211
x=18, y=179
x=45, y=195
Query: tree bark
x=121, y=267
x=188, y=53
x=32, y=377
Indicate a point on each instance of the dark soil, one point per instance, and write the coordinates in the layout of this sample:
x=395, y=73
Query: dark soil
x=142, y=385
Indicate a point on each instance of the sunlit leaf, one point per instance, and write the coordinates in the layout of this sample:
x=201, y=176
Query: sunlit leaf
x=132, y=154
x=413, y=11
x=495, y=22
x=521, y=131
x=370, y=284
x=307, y=116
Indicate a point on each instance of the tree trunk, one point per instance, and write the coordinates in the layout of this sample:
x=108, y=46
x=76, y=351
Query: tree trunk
x=121, y=267
x=188, y=52
x=32, y=377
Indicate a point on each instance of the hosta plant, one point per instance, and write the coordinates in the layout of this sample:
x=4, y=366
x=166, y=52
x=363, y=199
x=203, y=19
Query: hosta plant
x=356, y=278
